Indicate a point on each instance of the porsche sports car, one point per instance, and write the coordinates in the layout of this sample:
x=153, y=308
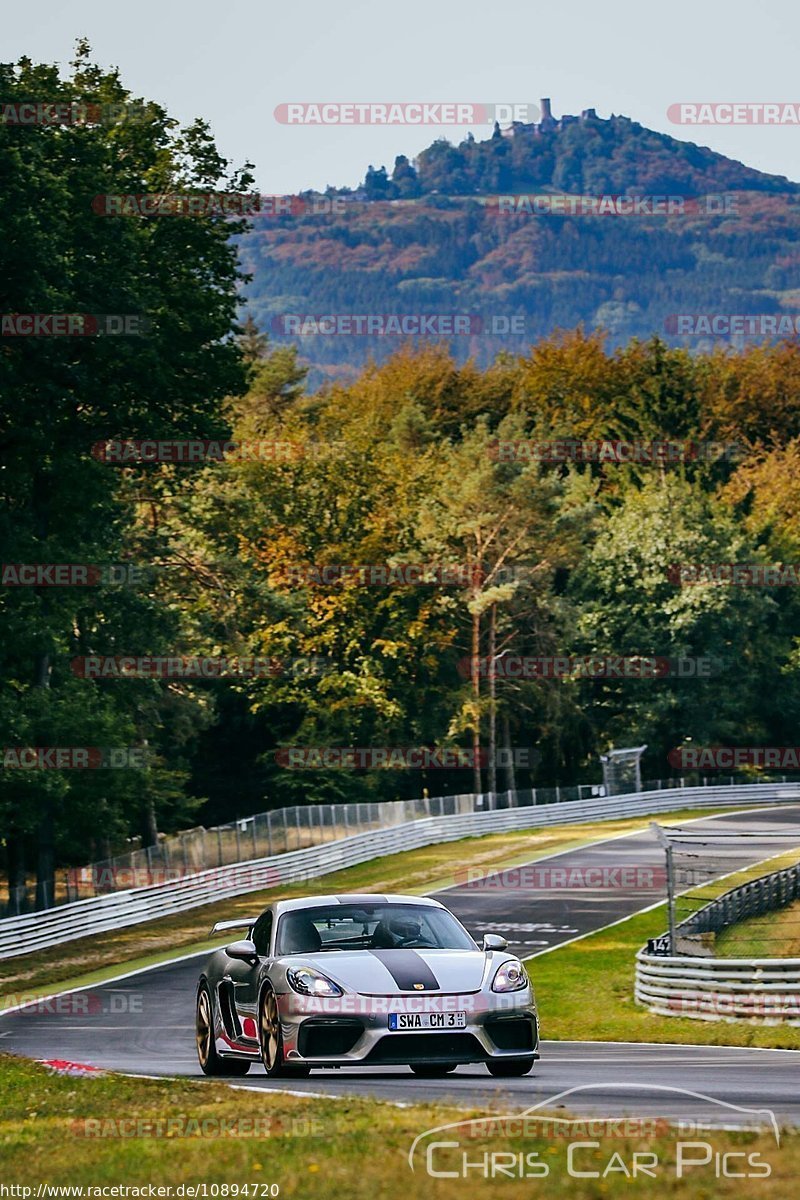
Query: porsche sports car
x=363, y=980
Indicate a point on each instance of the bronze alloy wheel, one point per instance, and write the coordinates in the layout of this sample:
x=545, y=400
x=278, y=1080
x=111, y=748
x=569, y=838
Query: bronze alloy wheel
x=203, y=1032
x=211, y=1063
x=270, y=1033
x=271, y=1040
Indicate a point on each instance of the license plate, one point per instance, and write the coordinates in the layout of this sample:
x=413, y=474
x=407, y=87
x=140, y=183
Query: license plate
x=432, y=1020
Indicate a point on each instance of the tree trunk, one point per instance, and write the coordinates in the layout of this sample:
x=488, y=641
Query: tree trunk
x=511, y=775
x=493, y=704
x=149, y=825
x=15, y=865
x=46, y=850
x=476, y=693
x=46, y=855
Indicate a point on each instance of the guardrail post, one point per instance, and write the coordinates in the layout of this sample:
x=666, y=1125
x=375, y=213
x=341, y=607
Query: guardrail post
x=667, y=846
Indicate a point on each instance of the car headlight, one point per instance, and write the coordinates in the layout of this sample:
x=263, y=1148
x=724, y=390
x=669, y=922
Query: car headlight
x=511, y=977
x=312, y=983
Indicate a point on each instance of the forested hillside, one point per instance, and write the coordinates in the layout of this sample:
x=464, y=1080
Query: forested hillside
x=431, y=237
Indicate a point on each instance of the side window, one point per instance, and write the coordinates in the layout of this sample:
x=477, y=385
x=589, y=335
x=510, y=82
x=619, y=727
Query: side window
x=262, y=932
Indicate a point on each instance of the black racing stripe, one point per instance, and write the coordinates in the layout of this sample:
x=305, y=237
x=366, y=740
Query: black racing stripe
x=408, y=970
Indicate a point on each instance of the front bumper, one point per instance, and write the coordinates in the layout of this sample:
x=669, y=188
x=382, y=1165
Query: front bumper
x=354, y=1030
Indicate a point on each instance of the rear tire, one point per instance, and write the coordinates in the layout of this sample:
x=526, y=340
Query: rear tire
x=270, y=1038
x=432, y=1070
x=510, y=1068
x=211, y=1063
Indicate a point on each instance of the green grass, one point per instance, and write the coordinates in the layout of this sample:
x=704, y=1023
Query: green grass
x=773, y=935
x=87, y=961
x=325, y=1149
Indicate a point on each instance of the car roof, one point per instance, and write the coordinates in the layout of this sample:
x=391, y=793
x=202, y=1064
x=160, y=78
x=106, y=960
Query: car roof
x=307, y=902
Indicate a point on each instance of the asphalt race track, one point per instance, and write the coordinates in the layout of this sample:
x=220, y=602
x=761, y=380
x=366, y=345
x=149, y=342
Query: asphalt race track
x=144, y=1024
x=529, y=907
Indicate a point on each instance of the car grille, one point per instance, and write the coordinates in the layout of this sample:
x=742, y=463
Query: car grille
x=514, y=1034
x=318, y=1038
x=427, y=1047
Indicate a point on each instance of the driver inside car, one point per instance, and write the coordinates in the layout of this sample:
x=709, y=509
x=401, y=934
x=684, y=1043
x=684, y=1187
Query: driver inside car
x=393, y=934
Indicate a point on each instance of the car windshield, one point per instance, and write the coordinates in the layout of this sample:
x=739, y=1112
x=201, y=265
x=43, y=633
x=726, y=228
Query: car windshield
x=370, y=927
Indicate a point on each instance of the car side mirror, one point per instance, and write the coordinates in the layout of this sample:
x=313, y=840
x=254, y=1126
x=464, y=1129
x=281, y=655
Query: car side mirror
x=493, y=941
x=244, y=951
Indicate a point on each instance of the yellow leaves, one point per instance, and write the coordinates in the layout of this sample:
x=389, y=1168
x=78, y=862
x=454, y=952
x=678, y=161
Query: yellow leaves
x=772, y=483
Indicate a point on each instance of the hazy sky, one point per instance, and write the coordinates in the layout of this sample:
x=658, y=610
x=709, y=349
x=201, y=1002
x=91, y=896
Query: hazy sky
x=232, y=63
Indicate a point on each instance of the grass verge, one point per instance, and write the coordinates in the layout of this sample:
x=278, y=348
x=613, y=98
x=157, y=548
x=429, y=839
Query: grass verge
x=88, y=961
x=61, y=1130
x=585, y=993
x=773, y=935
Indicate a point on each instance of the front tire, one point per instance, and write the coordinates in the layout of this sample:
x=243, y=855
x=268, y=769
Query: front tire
x=211, y=1063
x=510, y=1068
x=432, y=1070
x=271, y=1041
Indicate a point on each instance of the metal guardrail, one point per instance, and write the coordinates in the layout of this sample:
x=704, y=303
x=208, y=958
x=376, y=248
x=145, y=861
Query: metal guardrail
x=84, y=918
x=263, y=834
x=751, y=899
x=720, y=989
x=280, y=831
x=716, y=989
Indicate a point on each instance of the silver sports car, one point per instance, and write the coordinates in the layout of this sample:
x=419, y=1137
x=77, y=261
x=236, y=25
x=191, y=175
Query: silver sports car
x=346, y=981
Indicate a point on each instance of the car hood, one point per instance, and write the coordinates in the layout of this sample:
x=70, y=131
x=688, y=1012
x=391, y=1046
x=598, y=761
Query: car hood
x=398, y=972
